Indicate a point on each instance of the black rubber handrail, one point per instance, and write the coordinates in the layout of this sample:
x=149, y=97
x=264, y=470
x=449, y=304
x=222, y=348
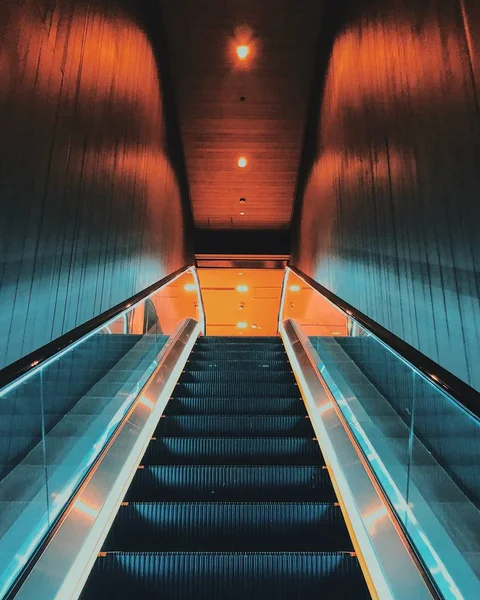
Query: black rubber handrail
x=37, y=357
x=464, y=394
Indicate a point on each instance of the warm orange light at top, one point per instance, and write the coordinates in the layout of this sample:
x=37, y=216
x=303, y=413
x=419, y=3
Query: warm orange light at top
x=190, y=287
x=294, y=288
x=242, y=52
x=242, y=288
x=242, y=162
x=242, y=325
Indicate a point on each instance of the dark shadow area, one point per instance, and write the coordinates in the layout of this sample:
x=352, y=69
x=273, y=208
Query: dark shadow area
x=218, y=241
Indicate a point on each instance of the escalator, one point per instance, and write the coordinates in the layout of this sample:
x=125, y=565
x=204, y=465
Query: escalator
x=232, y=498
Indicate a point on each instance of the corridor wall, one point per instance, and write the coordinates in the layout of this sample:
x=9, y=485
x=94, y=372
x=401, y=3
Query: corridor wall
x=388, y=206
x=94, y=204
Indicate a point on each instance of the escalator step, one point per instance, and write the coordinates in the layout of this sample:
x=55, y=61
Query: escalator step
x=233, y=451
x=210, y=526
x=247, y=340
x=235, y=406
x=236, y=425
x=242, y=365
x=218, y=576
x=227, y=483
x=236, y=376
x=242, y=390
x=237, y=355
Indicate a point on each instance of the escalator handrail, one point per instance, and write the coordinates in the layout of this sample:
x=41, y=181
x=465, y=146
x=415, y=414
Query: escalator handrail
x=33, y=360
x=460, y=391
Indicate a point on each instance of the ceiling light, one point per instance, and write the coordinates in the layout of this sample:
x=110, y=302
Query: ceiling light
x=242, y=162
x=336, y=333
x=242, y=52
x=294, y=288
x=242, y=213
x=242, y=287
x=190, y=287
x=242, y=325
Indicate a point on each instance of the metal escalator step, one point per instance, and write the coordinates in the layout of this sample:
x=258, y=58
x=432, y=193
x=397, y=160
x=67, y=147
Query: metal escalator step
x=232, y=355
x=242, y=365
x=234, y=406
x=239, y=341
x=233, y=451
x=242, y=390
x=250, y=344
x=228, y=526
x=236, y=376
x=295, y=483
x=235, y=425
x=221, y=575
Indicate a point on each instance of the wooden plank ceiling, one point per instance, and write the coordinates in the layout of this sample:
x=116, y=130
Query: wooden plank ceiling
x=218, y=127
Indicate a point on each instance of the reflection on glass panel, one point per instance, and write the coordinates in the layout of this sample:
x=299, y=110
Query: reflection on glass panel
x=423, y=446
x=315, y=314
x=24, y=514
x=55, y=424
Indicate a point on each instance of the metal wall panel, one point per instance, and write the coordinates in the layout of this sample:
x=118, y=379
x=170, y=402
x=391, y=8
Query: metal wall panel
x=390, y=212
x=91, y=209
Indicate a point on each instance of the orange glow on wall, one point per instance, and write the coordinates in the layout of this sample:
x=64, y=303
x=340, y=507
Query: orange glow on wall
x=313, y=312
x=256, y=306
x=242, y=162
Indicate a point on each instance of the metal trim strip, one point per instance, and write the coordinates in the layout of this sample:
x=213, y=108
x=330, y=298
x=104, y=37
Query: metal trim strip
x=390, y=567
x=64, y=565
x=460, y=392
x=28, y=365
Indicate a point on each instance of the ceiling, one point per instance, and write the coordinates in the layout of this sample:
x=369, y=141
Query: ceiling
x=266, y=127
x=251, y=309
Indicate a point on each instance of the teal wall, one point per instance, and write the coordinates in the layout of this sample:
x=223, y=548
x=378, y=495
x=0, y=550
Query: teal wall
x=388, y=210
x=92, y=205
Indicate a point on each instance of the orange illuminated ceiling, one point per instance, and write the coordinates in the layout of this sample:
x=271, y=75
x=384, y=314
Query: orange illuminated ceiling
x=241, y=302
x=252, y=106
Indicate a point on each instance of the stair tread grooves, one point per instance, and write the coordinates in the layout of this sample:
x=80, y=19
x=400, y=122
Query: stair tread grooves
x=235, y=406
x=233, y=575
x=229, y=526
x=237, y=451
x=232, y=482
x=235, y=425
